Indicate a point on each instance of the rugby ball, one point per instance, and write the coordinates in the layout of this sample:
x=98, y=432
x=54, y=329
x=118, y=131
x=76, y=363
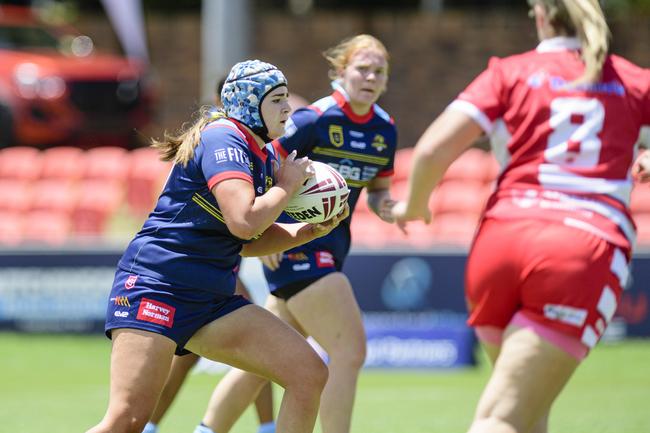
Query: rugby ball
x=321, y=196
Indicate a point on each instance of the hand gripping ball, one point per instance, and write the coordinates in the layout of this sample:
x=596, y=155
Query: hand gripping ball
x=321, y=196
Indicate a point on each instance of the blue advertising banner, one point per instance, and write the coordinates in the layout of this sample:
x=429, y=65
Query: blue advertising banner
x=67, y=291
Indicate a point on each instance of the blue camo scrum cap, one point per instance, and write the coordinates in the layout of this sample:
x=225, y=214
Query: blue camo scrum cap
x=246, y=86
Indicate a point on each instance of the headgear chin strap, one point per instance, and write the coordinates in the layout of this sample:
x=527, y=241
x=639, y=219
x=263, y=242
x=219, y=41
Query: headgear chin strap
x=247, y=85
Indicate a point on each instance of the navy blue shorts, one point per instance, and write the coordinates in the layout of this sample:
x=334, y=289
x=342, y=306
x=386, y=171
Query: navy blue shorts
x=141, y=302
x=298, y=270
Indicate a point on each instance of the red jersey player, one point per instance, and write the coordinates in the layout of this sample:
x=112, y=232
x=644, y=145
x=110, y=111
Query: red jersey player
x=551, y=255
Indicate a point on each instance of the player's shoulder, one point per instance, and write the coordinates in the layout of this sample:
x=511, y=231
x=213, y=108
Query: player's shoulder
x=223, y=132
x=627, y=70
x=383, y=115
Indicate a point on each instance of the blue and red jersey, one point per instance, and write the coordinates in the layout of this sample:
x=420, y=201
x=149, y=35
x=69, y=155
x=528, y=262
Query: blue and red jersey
x=185, y=241
x=361, y=148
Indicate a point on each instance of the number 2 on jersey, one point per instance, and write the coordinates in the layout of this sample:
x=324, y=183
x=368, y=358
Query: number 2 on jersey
x=576, y=123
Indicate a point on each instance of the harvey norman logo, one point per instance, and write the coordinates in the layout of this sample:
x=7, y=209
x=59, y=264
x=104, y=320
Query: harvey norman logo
x=156, y=312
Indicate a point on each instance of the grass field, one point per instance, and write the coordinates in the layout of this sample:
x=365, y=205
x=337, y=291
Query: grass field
x=59, y=384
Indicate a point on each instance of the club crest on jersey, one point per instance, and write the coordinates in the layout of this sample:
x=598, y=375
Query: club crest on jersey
x=268, y=183
x=130, y=282
x=379, y=142
x=336, y=135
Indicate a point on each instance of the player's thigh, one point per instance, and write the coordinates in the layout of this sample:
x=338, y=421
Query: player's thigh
x=328, y=311
x=140, y=362
x=279, y=308
x=253, y=339
x=527, y=377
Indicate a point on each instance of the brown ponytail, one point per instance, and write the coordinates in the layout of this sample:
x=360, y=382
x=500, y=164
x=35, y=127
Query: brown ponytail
x=179, y=147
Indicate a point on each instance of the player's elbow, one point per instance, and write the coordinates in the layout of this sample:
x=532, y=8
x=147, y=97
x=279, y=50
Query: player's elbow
x=242, y=229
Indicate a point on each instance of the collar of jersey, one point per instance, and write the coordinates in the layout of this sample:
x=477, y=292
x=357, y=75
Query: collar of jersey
x=560, y=43
x=250, y=140
x=342, y=100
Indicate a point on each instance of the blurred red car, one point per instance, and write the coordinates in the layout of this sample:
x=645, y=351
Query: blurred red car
x=55, y=89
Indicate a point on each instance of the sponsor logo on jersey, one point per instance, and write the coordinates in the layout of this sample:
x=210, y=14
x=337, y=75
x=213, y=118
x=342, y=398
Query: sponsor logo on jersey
x=336, y=135
x=301, y=267
x=357, y=144
x=297, y=257
x=156, y=312
x=121, y=300
x=231, y=154
x=121, y=314
x=379, y=142
x=220, y=156
x=565, y=314
x=130, y=282
x=537, y=79
x=356, y=134
x=324, y=259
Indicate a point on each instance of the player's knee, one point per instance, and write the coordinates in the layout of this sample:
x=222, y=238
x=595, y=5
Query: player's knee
x=312, y=374
x=352, y=357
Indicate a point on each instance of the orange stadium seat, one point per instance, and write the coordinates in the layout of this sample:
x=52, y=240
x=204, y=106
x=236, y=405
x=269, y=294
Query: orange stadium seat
x=402, y=163
x=147, y=174
x=98, y=201
x=45, y=227
x=362, y=203
x=63, y=162
x=106, y=162
x=470, y=166
x=455, y=229
x=460, y=197
x=419, y=235
x=16, y=195
x=369, y=231
x=11, y=228
x=58, y=196
x=20, y=162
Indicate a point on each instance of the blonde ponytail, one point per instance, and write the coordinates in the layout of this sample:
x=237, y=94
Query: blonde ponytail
x=584, y=19
x=179, y=147
x=592, y=30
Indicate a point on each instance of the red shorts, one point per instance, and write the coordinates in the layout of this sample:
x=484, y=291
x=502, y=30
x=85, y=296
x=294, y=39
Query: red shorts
x=562, y=277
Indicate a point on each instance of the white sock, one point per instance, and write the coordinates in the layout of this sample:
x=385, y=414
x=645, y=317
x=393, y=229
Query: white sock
x=267, y=427
x=150, y=428
x=202, y=428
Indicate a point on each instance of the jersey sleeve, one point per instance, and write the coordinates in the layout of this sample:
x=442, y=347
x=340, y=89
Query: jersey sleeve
x=300, y=133
x=225, y=155
x=483, y=99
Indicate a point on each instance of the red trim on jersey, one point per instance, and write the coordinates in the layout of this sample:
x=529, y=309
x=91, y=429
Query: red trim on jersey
x=228, y=175
x=347, y=109
x=314, y=108
x=221, y=125
x=279, y=149
x=386, y=173
x=252, y=144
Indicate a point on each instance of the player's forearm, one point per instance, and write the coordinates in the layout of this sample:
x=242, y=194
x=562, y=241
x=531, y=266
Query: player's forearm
x=279, y=237
x=266, y=209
